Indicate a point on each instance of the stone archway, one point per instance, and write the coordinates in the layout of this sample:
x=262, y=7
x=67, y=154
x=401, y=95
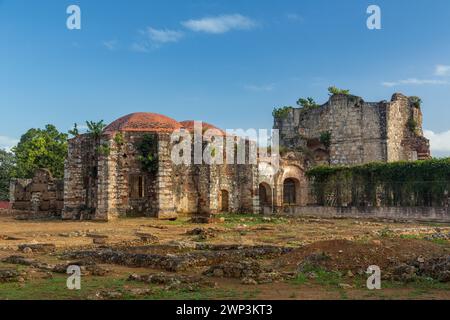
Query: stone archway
x=291, y=191
x=265, y=194
x=224, y=201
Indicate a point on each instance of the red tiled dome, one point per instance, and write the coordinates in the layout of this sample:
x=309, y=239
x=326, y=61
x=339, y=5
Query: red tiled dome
x=144, y=122
x=189, y=125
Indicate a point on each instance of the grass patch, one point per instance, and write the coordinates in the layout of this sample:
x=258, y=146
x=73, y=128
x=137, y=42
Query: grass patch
x=55, y=289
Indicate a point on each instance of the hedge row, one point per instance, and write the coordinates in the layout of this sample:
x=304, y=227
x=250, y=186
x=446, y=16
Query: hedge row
x=418, y=183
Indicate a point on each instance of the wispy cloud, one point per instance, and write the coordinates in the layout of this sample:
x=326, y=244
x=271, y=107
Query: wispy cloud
x=220, y=24
x=7, y=142
x=439, y=142
x=260, y=88
x=442, y=70
x=295, y=17
x=110, y=44
x=415, y=81
x=152, y=38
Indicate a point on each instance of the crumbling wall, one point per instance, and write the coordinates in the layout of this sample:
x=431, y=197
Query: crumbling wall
x=361, y=132
x=42, y=193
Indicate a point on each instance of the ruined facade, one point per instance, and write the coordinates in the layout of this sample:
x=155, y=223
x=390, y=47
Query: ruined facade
x=128, y=169
x=110, y=176
x=347, y=130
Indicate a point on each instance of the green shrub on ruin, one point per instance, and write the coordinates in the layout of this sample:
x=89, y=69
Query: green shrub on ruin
x=148, y=152
x=333, y=90
x=307, y=104
x=281, y=113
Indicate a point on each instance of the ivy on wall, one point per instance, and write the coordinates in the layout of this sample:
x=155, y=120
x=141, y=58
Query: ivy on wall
x=148, y=152
x=418, y=183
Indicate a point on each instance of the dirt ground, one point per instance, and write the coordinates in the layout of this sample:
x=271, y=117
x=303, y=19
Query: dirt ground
x=236, y=257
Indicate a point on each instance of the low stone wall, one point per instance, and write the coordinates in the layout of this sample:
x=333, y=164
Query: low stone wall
x=402, y=213
x=43, y=193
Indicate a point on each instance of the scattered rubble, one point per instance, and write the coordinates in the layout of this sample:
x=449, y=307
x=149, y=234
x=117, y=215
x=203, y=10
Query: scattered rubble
x=172, y=281
x=9, y=275
x=39, y=247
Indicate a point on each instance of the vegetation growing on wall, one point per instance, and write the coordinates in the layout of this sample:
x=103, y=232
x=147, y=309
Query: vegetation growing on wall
x=325, y=139
x=415, y=101
x=412, y=125
x=333, y=90
x=307, y=104
x=281, y=113
x=148, y=152
x=418, y=183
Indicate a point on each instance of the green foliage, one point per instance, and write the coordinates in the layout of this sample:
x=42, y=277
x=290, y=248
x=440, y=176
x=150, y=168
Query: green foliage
x=333, y=90
x=104, y=149
x=281, y=113
x=415, y=101
x=41, y=148
x=415, y=183
x=7, y=163
x=74, y=132
x=148, y=149
x=95, y=128
x=119, y=139
x=412, y=125
x=325, y=139
x=308, y=103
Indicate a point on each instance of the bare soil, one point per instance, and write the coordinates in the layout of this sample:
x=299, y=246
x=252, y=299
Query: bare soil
x=238, y=257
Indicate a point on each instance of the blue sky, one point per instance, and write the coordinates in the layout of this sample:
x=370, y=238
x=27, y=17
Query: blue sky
x=225, y=62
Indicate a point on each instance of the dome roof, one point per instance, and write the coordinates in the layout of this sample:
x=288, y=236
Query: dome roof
x=189, y=125
x=144, y=122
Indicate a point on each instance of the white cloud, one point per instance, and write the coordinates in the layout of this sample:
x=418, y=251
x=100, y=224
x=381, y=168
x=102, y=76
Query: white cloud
x=7, y=142
x=153, y=38
x=442, y=70
x=439, y=142
x=220, y=24
x=110, y=44
x=415, y=81
x=260, y=88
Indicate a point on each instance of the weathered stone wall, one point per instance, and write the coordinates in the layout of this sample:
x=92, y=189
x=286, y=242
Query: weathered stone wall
x=361, y=132
x=42, y=193
x=398, y=213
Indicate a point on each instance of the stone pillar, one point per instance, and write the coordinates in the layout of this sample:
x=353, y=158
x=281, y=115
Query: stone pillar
x=164, y=182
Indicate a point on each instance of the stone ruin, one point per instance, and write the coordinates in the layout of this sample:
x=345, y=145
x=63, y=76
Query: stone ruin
x=42, y=193
x=360, y=132
x=107, y=176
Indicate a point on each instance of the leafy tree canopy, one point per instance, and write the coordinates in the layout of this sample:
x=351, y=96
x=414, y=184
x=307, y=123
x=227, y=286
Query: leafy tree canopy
x=7, y=163
x=41, y=148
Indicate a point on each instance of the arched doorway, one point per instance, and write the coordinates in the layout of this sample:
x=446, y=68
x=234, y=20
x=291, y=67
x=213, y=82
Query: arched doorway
x=225, y=198
x=290, y=191
x=265, y=195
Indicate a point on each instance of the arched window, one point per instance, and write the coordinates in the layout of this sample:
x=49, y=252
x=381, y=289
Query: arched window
x=290, y=191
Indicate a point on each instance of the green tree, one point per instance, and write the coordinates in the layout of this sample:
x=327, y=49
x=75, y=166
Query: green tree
x=74, y=132
x=41, y=148
x=7, y=163
x=95, y=128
